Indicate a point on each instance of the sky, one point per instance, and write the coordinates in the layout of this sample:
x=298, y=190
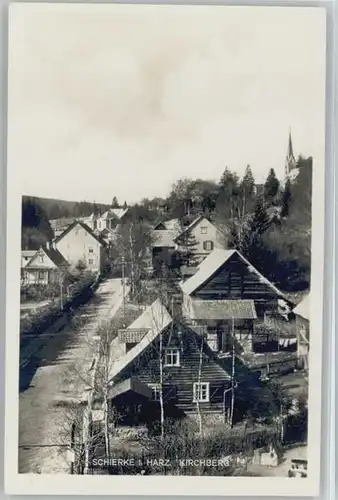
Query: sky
x=118, y=100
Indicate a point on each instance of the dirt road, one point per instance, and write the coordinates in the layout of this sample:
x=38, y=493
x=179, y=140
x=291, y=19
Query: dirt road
x=44, y=405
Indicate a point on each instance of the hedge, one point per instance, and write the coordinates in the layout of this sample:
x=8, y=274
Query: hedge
x=39, y=322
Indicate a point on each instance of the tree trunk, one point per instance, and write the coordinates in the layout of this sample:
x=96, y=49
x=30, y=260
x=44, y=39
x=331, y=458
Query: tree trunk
x=161, y=386
x=232, y=376
x=199, y=414
x=106, y=425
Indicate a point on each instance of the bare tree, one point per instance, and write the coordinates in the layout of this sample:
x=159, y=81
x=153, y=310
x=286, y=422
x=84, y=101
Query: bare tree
x=198, y=392
x=233, y=357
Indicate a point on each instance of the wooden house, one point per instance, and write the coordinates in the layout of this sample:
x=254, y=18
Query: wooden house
x=227, y=297
x=192, y=375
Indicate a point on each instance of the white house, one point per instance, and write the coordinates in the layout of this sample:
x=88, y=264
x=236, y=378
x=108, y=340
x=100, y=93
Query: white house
x=207, y=236
x=79, y=243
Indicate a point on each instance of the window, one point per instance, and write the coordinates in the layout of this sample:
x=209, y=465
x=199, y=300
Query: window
x=201, y=392
x=41, y=275
x=172, y=357
x=204, y=230
x=90, y=262
x=90, y=250
x=208, y=245
x=41, y=258
x=156, y=388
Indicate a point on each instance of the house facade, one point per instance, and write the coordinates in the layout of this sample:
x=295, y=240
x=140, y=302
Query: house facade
x=78, y=243
x=170, y=237
x=44, y=267
x=230, y=301
x=206, y=235
x=192, y=376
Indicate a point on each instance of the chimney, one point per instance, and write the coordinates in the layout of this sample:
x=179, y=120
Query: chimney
x=48, y=245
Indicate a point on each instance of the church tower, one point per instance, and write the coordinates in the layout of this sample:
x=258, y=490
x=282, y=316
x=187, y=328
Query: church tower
x=290, y=160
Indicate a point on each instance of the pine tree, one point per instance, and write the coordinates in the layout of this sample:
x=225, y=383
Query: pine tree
x=271, y=187
x=228, y=197
x=187, y=244
x=247, y=190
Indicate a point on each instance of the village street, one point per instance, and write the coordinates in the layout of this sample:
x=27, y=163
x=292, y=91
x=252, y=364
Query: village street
x=43, y=406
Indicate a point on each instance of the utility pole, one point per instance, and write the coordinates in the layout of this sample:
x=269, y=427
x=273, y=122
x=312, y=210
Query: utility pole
x=132, y=270
x=232, y=375
x=61, y=293
x=123, y=286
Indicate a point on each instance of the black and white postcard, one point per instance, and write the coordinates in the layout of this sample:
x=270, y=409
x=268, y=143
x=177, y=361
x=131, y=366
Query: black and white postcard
x=165, y=249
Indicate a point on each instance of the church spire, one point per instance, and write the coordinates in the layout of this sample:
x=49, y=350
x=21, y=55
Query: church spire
x=290, y=161
x=290, y=148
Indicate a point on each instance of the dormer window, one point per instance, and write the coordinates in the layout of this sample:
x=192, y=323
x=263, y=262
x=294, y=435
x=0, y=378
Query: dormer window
x=172, y=357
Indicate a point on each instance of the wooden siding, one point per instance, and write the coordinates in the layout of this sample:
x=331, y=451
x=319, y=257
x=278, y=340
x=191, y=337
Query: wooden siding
x=178, y=380
x=235, y=280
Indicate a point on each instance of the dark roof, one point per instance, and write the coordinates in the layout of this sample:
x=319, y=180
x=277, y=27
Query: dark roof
x=82, y=224
x=56, y=257
x=156, y=319
x=212, y=263
x=222, y=309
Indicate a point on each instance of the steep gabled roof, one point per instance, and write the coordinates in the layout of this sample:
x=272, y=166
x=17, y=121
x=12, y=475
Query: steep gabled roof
x=155, y=318
x=84, y=226
x=211, y=264
x=194, y=224
x=54, y=255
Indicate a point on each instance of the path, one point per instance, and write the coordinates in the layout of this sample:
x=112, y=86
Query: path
x=44, y=408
